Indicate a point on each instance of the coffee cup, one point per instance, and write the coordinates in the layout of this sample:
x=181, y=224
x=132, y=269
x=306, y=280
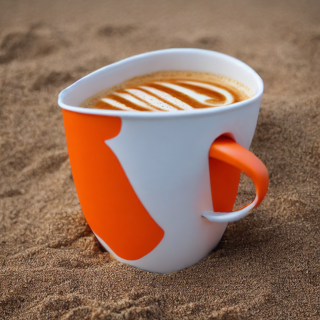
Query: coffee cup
x=158, y=188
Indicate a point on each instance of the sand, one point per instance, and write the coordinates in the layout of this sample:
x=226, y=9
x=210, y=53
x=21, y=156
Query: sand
x=52, y=267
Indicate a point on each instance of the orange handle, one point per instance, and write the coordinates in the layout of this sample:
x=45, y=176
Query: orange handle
x=237, y=157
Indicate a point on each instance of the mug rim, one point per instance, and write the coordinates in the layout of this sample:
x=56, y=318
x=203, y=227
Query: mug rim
x=178, y=113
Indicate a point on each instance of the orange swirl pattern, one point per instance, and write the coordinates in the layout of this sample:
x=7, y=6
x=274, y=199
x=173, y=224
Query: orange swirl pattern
x=169, y=95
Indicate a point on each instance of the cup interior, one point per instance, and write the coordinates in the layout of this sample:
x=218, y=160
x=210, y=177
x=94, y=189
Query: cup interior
x=168, y=59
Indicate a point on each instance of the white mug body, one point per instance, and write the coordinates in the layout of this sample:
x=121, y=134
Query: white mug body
x=165, y=155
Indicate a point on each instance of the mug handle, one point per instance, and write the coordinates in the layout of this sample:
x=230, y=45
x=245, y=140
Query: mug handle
x=231, y=153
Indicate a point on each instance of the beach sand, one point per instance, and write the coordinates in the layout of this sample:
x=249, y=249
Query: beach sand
x=52, y=267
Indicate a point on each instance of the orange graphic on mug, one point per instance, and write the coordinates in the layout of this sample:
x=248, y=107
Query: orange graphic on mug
x=109, y=203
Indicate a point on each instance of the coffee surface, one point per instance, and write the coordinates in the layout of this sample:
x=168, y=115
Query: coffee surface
x=170, y=91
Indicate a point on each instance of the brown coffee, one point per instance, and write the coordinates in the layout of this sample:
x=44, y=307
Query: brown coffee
x=170, y=91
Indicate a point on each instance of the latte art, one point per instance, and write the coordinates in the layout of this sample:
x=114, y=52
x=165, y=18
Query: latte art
x=164, y=93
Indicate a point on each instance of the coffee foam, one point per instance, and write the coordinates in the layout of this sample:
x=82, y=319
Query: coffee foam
x=170, y=91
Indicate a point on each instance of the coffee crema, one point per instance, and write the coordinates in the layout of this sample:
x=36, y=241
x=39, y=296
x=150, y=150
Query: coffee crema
x=170, y=91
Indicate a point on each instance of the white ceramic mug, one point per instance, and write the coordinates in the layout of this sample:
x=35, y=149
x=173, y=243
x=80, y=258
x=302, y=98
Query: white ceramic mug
x=144, y=179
